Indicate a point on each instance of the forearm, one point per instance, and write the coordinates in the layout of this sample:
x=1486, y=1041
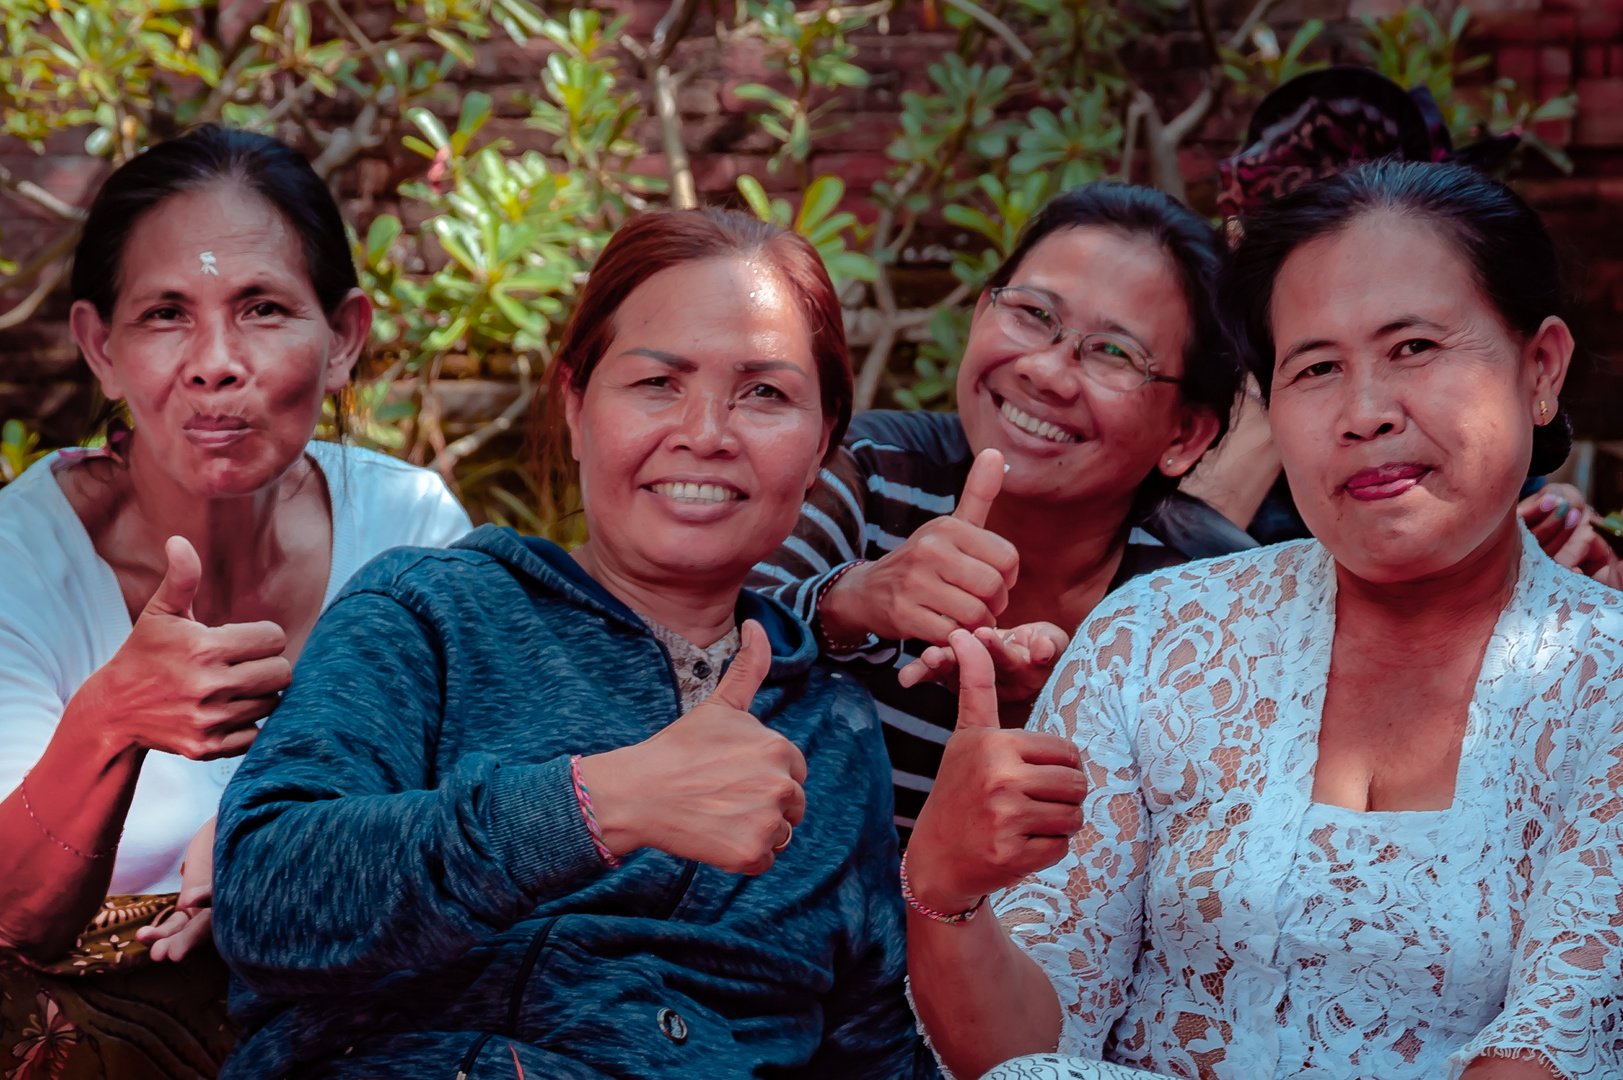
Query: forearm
x=387, y=881
x=980, y=997
x=1528, y=1066
x=71, y=807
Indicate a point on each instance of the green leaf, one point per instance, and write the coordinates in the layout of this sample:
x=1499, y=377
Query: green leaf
x=429, y=125
x=755, y=195
x=454, y=45
x=380, y=236
x=822, y=196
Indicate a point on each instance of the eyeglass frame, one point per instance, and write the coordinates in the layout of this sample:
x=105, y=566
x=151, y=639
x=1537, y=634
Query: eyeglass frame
x=1060, y=330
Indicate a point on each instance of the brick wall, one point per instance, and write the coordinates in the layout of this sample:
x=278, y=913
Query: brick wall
x=1546, y=45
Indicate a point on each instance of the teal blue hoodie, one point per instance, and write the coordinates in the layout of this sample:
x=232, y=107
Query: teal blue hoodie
x=404, y=886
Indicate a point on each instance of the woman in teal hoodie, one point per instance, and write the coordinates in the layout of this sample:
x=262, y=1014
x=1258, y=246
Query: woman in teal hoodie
x=598, y=814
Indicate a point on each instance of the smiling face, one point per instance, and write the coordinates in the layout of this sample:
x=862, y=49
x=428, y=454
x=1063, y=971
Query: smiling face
x=701, y=429
x=218, y=343
x=1064, y=437
x=1402, y=406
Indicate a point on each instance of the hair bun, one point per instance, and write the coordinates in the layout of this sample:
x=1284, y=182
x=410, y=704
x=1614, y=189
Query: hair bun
x=1551, y=444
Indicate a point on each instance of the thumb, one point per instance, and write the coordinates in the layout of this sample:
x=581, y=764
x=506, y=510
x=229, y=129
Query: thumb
x=179, y=585
x=749, y=667
x=977, y=681
x=985, y=480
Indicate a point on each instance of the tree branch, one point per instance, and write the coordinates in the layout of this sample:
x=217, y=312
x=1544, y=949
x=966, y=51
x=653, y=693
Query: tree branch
x=25, y=310
x=447, y=459
x=32, y=192
x=996, y=26
x=1258, y=13
x=44, y=257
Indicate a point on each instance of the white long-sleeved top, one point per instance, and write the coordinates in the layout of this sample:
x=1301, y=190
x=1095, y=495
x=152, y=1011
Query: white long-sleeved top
x=1211, y=920
x=62, y=616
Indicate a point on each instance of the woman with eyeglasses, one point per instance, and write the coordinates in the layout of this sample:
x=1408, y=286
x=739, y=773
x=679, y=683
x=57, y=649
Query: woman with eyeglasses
x=1094, y=377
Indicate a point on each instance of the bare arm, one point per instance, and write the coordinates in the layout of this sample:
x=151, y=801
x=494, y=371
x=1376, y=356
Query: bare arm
x=982, y=1000
x=175, y=686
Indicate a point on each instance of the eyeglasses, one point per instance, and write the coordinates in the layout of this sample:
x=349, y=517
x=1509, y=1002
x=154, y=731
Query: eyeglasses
x=1109, y=361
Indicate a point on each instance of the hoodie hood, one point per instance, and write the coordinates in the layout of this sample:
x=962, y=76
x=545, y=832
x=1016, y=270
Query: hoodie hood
x=550, y=568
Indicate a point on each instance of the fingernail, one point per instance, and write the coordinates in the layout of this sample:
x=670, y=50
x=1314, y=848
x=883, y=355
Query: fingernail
x=1561, y=508
x=1574, y=517
x=1547, y=503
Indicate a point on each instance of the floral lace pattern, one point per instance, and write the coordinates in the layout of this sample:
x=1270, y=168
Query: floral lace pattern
x=1211, y=921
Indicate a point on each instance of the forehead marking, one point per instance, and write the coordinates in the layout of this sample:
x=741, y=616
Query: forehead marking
x=206, y=258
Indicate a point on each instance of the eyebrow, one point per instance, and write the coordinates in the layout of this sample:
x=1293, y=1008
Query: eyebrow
x=684, y=365
x=245, y=293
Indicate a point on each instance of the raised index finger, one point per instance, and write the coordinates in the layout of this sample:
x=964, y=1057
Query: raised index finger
x=985, y=480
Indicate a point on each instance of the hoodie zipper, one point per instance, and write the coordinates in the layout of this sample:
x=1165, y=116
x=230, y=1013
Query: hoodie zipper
x=526, y=968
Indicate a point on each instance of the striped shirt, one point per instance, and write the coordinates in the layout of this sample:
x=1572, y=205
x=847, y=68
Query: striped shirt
x=897, y=471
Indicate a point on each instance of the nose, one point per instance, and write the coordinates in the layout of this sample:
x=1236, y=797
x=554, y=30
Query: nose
x=1369, y=409
x=1053, y=373
x=213, y=359
x=706, y=427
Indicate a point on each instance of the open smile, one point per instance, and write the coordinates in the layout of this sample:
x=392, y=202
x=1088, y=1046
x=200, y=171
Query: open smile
x=702, y=494
x=1042, y=429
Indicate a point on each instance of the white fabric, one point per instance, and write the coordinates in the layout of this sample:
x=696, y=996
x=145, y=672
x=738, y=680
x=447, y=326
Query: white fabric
x=1211, y=921
x=62, y=616
x=1058, y=1067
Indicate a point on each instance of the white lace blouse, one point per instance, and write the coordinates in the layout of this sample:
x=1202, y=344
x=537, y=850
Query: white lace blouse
x=1212, y=921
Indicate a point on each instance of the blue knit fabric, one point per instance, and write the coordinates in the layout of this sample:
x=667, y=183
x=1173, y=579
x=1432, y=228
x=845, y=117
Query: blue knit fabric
x=404, y=885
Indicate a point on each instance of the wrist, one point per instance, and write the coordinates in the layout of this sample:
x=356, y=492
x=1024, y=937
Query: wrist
x=90, y=724
x=614, y=804
x=954, y=910
x=840, y=619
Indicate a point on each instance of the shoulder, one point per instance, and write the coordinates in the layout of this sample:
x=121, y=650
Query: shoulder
x=1220, y=598
x=392, y=502
x=1194, y=529
x=40, y=535
x=938, y=437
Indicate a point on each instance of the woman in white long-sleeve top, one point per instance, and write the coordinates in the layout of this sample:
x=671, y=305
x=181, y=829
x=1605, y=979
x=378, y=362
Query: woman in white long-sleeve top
x=1336, y=809
x=155, y=593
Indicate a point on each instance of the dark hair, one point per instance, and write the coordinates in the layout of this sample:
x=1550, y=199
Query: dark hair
x=1211, y=375
x=1510, y=253
x=659, y=240
x=201, y=157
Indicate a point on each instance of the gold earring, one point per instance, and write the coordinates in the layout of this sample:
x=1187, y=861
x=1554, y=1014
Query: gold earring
x=1543, y=410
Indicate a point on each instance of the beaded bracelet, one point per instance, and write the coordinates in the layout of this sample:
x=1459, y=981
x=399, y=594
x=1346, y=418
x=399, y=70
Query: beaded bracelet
x=931, y=913
x=22, y=788
x=817, y=603
x=583, y=799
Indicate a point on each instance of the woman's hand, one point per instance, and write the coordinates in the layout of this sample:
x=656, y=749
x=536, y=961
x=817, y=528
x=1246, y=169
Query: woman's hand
x=178, y=686
x=1564, y=526
x=717, y=785
x=952, y=572
x=1005, y=803
x=1023, y=656
x=192, y=920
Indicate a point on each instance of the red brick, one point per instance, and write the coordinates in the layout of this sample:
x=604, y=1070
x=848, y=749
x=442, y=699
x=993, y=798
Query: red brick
x=857, y=170
x=1614, y=60
x=1600, y=112
x=1554, y=132
x=1599, y=25
x=1518, y=62
x=1554, y=63
x=1594, y=62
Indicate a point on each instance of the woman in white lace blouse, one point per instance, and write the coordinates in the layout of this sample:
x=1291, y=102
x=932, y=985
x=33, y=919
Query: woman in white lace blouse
x=1354, y=808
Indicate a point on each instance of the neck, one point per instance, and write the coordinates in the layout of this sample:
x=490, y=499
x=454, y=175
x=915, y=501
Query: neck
x=235, y=536
x=1473, y=591
x=1068, y=554
x=700, y=610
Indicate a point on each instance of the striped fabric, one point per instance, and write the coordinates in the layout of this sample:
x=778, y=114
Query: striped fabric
x=897, y=471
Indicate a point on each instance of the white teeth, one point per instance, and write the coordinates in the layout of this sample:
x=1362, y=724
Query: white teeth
x=708, y=493
x=1040, y=428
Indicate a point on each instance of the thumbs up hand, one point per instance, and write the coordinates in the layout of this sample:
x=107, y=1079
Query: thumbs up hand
x=717, y=785
x=952, y=572
x=180, y=687
x=1005, y=802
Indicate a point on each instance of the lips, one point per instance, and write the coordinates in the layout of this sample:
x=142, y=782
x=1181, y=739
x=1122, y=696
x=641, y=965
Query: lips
x=1386, y=482
x=695, y=492
x=1031, y=425
x=216, y=431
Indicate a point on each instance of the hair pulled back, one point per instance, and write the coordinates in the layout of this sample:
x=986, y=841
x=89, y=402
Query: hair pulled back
x=1212, y=377
x=203, y=156
x=1503, y=240
x=662, y=239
